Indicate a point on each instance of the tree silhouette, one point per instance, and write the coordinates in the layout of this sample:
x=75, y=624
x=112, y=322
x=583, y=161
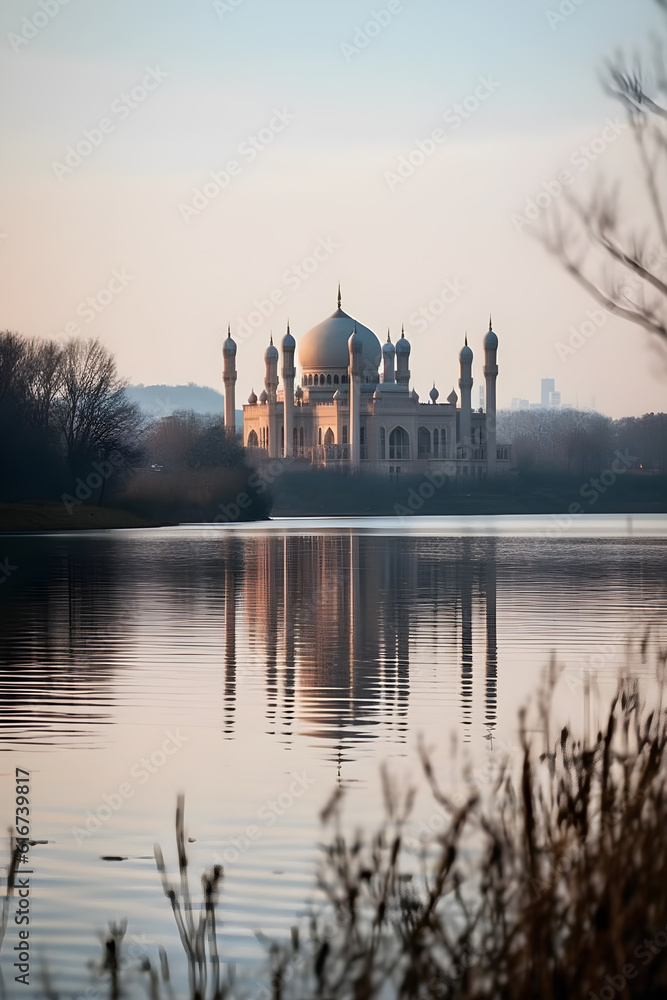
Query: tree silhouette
x=620, y=262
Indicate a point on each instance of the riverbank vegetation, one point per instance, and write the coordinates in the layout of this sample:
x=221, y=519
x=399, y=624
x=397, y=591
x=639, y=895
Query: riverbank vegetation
x=554, y=886
x=76, y=439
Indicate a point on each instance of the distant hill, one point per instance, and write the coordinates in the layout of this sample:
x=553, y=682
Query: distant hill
x=161, y=400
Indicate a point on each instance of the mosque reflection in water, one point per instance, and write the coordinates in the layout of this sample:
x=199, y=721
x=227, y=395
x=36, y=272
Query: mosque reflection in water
x=336, y=618
x=333, y=634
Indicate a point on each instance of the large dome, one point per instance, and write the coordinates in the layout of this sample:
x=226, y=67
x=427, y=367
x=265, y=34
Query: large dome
x=325, y=346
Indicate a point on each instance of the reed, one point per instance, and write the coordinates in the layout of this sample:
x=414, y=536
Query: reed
x=553, y=886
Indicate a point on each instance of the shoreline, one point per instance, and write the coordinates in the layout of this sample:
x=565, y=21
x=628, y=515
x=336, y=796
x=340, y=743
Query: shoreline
x=42, y=517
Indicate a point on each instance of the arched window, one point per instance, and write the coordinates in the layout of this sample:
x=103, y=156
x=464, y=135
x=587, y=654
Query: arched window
x=399, y=444
x=383, y=443
x=423, y=442
x=295, y=441
x=345, y=434
x=301, y=438
x=436, y=443
x=321, y=379
x=319, y=436
x=329, y=436
x=343, y=379
x=328, y=379
x=336, y=380
x=252, y=440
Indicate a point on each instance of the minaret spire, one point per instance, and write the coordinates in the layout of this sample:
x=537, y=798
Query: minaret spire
x=466, y=338
x=339, y=298
x=490, y=325
x=388, y=336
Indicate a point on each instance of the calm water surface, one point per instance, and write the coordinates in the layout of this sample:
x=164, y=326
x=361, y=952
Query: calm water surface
x=255, y=668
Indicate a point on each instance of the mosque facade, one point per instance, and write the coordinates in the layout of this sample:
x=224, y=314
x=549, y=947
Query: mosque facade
x=353, y=408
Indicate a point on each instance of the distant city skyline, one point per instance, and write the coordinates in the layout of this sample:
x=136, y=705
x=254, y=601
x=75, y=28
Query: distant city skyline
x=170, y=170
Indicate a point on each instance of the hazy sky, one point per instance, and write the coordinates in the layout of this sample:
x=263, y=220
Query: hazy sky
x=303, y=109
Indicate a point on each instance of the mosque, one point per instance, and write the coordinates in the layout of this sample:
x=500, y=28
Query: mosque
x=344, y=414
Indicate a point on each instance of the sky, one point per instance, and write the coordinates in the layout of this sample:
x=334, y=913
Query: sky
x=170, y=168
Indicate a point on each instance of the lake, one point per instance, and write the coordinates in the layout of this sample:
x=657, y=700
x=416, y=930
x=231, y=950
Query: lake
x=256, y=668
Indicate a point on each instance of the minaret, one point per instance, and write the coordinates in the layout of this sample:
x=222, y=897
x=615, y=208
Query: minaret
x=354, y=379
x=388, y=356
x=490, y=376
x=403, y=360
x=271, y=387
x=289, y=373
x=229, y=382
x=465, y=385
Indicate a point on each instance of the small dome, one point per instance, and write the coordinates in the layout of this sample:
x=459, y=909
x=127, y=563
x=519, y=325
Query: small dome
x=263, y=396
x=271, y=353
x=355, y=342
x=491, y=340
x=388, y=348
x=434, y=394
x=229, y=347
x=403, y=345
x=465, y=354
x=252, y=398
x=453, y=398
x=298, y=392
x=289, y=343
x=337, y=394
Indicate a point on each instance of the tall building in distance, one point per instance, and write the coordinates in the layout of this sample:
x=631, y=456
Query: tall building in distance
x=353, y=408
x=548, y=386
x=550, y=398
x=480, y=397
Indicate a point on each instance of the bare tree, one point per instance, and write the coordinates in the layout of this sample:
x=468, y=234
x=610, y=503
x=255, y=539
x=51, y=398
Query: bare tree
x=92, y=410
x=621, y=263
